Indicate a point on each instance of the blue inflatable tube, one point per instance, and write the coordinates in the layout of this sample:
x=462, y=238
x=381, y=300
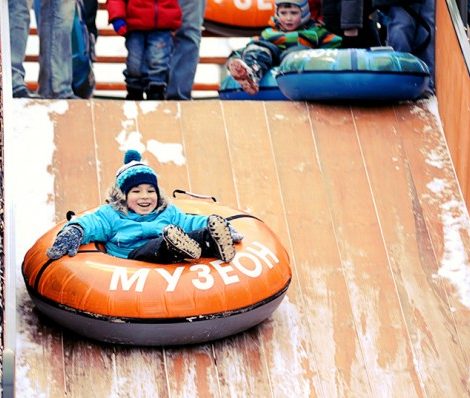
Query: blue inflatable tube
x=268, y=89
x=379, y=74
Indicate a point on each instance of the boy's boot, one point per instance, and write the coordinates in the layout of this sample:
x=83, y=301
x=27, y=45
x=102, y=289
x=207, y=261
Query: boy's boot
x=156, y=92
x=219, y=231
x=179, y=241
x=134, y=94
x=247, y=76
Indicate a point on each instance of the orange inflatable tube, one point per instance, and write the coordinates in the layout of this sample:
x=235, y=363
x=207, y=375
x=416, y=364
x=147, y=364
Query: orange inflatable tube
x=133, y=302
x=237, y=17
x=244, y=17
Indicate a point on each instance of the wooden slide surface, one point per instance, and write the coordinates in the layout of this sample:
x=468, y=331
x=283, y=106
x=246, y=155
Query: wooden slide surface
x=364, y=198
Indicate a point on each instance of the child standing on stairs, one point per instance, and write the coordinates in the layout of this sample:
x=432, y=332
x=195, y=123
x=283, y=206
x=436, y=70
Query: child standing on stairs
x=148, y=27
x=292, y=29
x=139, y=223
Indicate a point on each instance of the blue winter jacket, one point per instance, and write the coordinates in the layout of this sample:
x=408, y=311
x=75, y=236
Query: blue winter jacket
x=123, y=232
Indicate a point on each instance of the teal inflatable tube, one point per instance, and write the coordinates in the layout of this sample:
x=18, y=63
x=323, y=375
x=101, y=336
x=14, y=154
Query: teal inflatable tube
x=378, y=74
x=268, y=89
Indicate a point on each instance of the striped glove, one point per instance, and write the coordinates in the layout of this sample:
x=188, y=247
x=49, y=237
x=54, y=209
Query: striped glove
x=67, y=242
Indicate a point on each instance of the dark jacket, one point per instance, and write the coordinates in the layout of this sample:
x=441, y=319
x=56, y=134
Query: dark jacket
x=340, y=15
x=388, y=3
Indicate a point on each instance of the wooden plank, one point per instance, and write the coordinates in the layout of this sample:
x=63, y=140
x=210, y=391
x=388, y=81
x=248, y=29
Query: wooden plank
x=208, y=153
x=39, y=353
x=290, y=364
x=409, y=249
x=378, y=320
x=444, y=212
x=191, y=372
x=370, y=311
x=315, y=252
x=160, y=126
x=75, y=186
x=453, y=90
x=239, y=360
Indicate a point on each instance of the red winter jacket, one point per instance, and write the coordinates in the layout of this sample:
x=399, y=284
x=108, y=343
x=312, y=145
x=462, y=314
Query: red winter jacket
x=146, y=14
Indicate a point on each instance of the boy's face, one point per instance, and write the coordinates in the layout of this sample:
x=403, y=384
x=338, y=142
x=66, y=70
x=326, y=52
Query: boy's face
x=289, y=17
x=142, y=199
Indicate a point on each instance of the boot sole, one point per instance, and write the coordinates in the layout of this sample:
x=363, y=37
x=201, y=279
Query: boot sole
x=241, y=73
x=176, y=238
x=220, y=233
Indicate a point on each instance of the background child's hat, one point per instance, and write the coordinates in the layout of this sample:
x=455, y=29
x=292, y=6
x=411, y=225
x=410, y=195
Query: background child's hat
x=305, y=15
x=134, y=173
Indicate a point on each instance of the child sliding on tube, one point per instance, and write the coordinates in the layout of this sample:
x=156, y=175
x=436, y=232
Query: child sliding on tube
x=138, y=223
x=292, y=29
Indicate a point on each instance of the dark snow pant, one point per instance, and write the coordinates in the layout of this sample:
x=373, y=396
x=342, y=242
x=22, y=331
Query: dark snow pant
x=157, y=251
x=407, y=33
x=259, y=52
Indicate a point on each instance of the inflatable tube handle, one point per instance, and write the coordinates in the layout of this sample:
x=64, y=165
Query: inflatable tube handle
x=70, y=214
x=194, y=195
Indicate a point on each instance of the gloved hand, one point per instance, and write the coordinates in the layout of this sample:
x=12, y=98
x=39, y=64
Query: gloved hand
x=120, y=26
x=236, y=236
x=67, y=242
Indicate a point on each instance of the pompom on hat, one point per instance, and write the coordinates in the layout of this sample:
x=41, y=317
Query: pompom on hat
x=305, y=15
x=134, y=173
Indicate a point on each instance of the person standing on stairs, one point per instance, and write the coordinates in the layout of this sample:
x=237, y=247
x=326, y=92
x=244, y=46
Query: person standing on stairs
x=148, y=27
x=186, y=52
x=19, y=18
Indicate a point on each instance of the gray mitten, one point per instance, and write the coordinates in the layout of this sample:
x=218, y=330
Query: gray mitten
x=67, y=242
x=236, y=236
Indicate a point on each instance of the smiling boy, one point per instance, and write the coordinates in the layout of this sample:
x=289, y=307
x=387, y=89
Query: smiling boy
x=292, y=29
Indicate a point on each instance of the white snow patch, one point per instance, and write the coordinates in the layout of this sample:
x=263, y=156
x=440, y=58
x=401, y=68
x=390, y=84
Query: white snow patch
x=167, y=152
x=131, y=138
x=148, y=106
x=435, y=159
x=130, y=110
x=29, y=185
x=455, y=265
x=437, y=185
x=433, y=107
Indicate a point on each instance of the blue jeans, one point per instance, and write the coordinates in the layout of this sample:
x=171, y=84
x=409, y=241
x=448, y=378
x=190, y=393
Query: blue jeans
x=148, y=58
x=186, y=54
x=18, y=11
x=406, y=34
x=55, y=48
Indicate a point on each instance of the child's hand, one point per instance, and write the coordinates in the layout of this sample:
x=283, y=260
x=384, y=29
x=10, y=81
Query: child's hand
x=236, y=236
x=120, y=26
x=67, y=242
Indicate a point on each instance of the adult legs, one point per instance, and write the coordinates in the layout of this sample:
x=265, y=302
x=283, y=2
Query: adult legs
x=427, y=53
x=406, y=33
x=18, y=11
x=401, y=29
x=55, y=48
x=186, y=51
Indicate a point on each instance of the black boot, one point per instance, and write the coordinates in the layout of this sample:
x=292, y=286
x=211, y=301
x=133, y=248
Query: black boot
x=134, y=94
x=156, y=92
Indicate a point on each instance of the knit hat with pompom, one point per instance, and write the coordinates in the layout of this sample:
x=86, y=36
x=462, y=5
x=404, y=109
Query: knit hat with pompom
x=134, y=173
x=305, y=15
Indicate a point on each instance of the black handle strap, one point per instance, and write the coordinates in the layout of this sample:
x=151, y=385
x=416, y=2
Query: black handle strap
x=194, y=195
